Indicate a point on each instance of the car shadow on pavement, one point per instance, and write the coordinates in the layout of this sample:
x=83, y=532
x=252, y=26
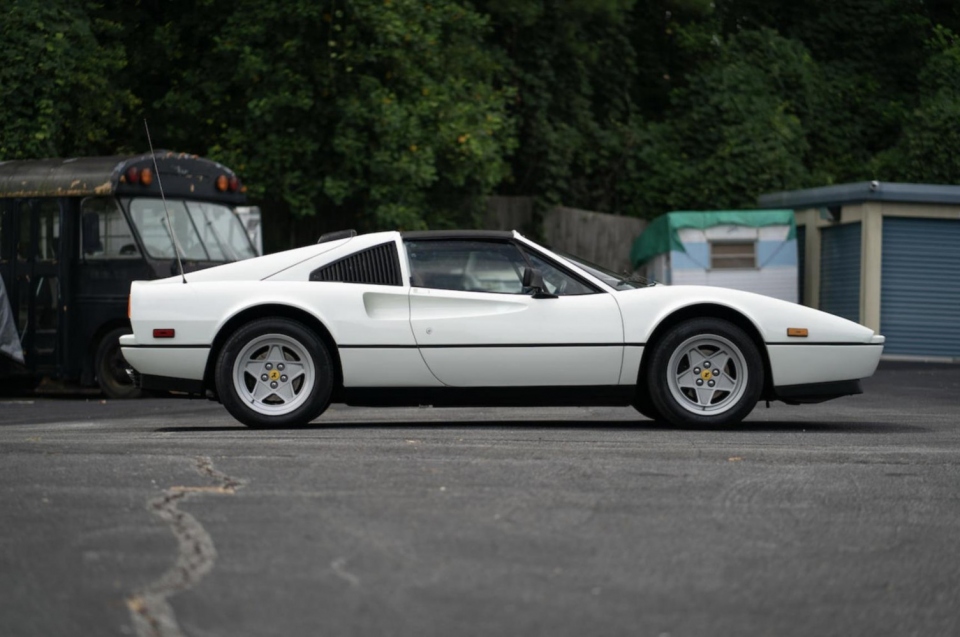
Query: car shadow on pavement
x=193, y=429
x=639, y=425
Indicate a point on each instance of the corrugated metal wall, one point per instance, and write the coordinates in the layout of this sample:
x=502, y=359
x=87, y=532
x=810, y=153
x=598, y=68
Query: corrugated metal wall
x=840, y=270
x=920, y=288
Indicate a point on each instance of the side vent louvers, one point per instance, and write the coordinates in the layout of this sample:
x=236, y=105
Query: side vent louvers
x=378, y=265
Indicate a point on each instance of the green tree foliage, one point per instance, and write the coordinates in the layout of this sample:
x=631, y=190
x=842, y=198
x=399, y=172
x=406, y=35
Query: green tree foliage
x=735, y=130
x=58, y=96
x=927, y=149
x=574, y=70
x=406, y=113
x=391, y=108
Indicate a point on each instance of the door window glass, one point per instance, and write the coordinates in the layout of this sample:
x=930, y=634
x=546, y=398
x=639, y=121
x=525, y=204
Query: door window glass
x=469, y=266
x=556, y=280
x=48, y=241
x=483, y=266
x=104, y=231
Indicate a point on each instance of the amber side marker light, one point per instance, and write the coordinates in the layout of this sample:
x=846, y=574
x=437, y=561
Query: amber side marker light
x=163, y=333
x=129, y=298
x=797, y=331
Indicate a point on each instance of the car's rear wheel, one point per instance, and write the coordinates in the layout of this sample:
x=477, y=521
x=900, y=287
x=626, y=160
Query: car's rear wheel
x=274, y=373
x=705, y=372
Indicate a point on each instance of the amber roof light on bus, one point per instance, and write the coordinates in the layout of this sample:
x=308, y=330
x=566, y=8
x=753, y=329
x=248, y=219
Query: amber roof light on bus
x=146, y=177
x=222, y=183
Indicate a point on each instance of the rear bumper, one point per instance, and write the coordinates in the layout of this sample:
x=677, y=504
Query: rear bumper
x=186, y=362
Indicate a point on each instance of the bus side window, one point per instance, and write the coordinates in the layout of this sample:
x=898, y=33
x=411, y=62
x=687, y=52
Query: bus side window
x=104, y=231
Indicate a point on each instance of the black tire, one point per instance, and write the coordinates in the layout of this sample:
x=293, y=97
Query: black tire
x=294, y=404
x=644, y=404
x=700, y=405
x=111, y=367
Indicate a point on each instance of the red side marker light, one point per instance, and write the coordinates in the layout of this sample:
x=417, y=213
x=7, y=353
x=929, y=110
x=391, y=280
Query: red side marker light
x=234, y=184
x=133, y=175
x=163, y=333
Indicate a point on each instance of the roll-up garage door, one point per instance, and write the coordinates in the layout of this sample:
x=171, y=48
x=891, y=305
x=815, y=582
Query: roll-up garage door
x=840, y=270
x=920, y=288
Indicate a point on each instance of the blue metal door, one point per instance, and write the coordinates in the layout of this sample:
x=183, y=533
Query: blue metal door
x=920, y=289
x=840, y=270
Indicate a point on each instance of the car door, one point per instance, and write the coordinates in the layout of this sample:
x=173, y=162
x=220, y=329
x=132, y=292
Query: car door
x=476, y=325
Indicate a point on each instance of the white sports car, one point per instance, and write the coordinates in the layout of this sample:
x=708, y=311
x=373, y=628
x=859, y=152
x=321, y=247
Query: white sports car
x=470, y=318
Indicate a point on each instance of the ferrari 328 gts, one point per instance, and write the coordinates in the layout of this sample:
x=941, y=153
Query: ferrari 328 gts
x=471, y=318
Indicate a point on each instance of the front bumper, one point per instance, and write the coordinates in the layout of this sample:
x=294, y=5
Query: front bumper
x=813, y=363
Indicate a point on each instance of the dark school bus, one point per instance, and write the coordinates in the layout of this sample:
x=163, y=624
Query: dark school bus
x=75, y=232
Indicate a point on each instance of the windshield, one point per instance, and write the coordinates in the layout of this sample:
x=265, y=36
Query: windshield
x=614, y=280
x=203, y=231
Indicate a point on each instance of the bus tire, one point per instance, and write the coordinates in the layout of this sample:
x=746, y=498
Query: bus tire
x=111, y=367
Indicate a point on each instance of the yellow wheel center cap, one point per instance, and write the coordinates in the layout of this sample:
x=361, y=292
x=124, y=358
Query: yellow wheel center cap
x=274, y=375
x=706, y=374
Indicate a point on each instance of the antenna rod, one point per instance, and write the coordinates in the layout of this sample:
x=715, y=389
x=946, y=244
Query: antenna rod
x=156, y=169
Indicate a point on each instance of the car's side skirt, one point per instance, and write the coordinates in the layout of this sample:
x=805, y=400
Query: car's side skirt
x=559, y=396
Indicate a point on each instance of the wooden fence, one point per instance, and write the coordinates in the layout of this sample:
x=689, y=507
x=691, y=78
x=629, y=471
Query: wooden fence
x=596, y=236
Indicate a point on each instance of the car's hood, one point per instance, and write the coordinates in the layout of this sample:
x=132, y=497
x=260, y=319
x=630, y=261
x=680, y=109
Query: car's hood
x=772, y=317
x=259, y=268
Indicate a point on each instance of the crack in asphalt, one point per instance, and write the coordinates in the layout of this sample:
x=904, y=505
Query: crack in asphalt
x=150, y=611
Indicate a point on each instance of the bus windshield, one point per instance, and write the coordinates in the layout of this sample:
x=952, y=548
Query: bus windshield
x=203, y=231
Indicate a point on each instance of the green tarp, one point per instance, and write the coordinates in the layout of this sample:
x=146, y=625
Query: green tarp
x=662, y=234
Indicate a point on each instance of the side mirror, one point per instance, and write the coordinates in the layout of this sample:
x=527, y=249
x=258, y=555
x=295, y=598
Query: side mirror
x=533, y=283
x=91, y=233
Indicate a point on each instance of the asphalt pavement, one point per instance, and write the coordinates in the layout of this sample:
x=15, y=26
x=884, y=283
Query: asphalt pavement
x=166, y=517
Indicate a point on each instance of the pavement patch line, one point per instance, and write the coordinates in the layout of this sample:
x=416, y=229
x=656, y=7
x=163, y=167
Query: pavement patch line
x=150, y=611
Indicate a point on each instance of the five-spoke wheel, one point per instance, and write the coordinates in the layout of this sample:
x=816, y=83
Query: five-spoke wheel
x=274, y=373
x=704, y=372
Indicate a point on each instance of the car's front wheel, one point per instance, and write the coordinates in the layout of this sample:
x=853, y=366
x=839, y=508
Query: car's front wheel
x=705, y=372
x=274, y=373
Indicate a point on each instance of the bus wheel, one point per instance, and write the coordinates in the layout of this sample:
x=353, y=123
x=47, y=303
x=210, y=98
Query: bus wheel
x=111, y=367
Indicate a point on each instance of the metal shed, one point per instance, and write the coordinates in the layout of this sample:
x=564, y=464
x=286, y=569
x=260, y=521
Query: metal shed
x=752, y=250
x=886, y=255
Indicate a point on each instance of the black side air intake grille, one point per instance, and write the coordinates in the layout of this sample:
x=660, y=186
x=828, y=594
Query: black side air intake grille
x=378, y=265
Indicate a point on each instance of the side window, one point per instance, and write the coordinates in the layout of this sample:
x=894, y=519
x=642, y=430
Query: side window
x=47, y=243
x=556, y=280
x=104, y=231
x=468, y=266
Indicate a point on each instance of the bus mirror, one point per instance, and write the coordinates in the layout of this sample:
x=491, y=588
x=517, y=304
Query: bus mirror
x=91, y=233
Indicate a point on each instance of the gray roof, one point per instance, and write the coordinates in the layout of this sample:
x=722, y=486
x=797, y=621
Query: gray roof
x=83, y=176
x=860, y=192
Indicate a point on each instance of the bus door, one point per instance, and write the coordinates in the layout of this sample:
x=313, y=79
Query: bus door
x=33, y=280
